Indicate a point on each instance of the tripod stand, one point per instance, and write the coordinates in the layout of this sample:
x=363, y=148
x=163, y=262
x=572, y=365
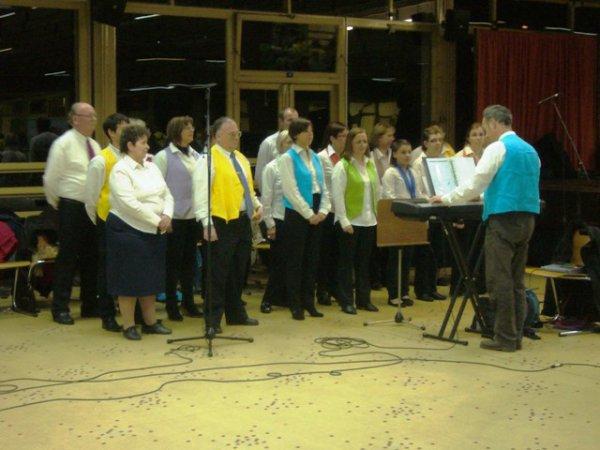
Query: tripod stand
x=210, y=333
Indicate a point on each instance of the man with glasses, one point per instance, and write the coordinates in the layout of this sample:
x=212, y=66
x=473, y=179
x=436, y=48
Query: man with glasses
x=64, y=185
x=233, y=206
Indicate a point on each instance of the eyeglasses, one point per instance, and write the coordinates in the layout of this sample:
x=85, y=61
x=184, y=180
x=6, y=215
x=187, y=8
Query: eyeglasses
x=234, y=134
x=89, y=116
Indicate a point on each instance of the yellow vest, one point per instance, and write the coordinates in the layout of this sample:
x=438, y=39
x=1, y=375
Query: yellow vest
x=103, y=205
x=227, y=190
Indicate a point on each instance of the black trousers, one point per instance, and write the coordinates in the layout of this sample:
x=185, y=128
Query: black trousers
x=106, y=302
x=229, y=256
x=392, y=271
x=327, y=270
x=425, y=270
x=354, y=257
x=78, y=248
x=301, y=245
x=181, y=260
x=275, y=291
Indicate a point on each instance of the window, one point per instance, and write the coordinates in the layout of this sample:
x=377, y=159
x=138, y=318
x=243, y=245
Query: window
x=37, y=75
x=388, y=80
x=164, y=64
x=288, y=47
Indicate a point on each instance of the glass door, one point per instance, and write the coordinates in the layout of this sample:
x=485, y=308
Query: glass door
x=318, y=103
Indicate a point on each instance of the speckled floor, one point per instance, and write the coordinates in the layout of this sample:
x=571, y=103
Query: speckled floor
x=294, y=387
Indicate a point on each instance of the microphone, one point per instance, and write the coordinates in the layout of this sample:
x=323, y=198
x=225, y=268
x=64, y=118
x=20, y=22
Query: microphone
x=544, y=100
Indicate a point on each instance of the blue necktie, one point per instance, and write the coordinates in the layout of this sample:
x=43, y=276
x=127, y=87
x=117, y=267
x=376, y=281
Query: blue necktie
x=244, y=181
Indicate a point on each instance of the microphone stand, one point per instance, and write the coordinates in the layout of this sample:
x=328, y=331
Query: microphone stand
x=566, y=130
x=210, y=334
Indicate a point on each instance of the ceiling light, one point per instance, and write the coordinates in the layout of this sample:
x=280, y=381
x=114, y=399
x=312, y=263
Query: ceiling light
x=149, y=16
x=2, y=50
x=215, y=61
x=349, y=28
x=152, y=88
x=384, y=80
x=159, y=59
x=8, y=15
x=408, y=20
x=57, y=74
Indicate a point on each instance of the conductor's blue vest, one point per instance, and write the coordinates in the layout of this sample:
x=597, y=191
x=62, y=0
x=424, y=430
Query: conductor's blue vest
x=516, y=185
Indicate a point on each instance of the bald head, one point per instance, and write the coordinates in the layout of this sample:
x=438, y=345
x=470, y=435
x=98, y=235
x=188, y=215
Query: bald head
x=286, y=116
x=82, y=116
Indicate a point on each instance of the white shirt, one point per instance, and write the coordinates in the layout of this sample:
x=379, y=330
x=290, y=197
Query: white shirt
x=190, y=161
x=290, y=186
x=486, y=169
x=139, y=194
x=382, y=160
x=200, y=187
x=95, y=181
x=66, y=169
x=394, y=187
x=325, y=157
x=272, y=194
x=367, y=217
x=267, y=152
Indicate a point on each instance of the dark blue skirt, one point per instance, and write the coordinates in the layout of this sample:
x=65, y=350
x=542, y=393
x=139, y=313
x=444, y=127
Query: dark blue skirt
x=135, y=261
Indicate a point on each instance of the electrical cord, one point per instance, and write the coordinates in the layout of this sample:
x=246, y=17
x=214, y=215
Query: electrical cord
x=330, y=346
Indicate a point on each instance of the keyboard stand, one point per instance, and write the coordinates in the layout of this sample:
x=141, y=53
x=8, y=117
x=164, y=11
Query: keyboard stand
x=467, y=278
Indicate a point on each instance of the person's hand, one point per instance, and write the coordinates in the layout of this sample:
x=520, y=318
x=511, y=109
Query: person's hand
x=165, y=223
x=271, y=233
x=213, y=234
x=348, y=229
x=257, y=216
x=321, y=217
x=314, y=219
x=435, y=199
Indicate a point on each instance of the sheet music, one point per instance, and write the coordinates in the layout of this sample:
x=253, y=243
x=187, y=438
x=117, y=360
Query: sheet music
x=464, y=169
x=441, y=175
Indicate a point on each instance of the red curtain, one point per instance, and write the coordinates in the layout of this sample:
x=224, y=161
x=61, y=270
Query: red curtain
x=518, y=69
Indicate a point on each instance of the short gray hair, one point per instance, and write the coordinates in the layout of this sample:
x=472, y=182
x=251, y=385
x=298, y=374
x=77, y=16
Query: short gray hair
x=499, y=113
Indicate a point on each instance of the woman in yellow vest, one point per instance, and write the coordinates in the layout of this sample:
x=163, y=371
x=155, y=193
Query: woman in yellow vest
x=355, y=185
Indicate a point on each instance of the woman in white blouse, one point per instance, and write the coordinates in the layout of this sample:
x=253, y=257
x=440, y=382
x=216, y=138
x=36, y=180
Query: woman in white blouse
x=355, y=186
x=140, y=215
x=307, y=203
x=400, y=182
x=474, y=143
x=273, y=215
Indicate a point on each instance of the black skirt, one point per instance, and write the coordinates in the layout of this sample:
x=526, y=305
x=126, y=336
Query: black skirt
x=135, y=261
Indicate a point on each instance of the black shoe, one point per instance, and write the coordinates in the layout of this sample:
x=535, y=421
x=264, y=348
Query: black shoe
x=174, y=314
x=368, y=307
x=110, y=324
x=425, y=298
x=192, y=310
x=157, y=328
x=348, y=309
x=85, y=313
x=132, y=334
x=64, y=318
x=393, y=301
x=265, y=308
x=406, y=301
x=248, y=321
x=297, y=314
x=438, y=296
x=312, y=312
x=323, y=298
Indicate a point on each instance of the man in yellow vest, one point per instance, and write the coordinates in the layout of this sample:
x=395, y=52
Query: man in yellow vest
x=97, y=206
x=233, y=206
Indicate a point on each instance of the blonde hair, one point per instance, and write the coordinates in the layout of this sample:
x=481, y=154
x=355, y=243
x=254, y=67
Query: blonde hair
x=281, y=138
x=379, y=130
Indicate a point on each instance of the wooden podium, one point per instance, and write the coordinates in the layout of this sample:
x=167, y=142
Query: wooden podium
x=393, y=231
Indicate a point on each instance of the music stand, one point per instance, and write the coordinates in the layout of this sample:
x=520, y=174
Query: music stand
x=395, y=232
x=209, y=335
